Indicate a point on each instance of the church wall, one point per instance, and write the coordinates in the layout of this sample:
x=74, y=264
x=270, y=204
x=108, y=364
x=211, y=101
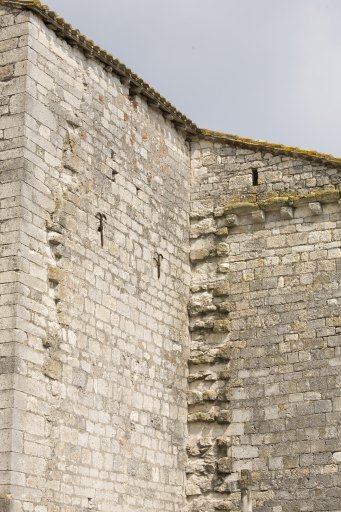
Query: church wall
x=103, y=408
x=94, y=286
x=13, y=55
x=265, y=326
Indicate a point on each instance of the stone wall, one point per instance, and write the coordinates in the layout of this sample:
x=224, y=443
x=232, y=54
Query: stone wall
x=265, y=320
x=95, y=284
x=101, y=375
x=13, y=55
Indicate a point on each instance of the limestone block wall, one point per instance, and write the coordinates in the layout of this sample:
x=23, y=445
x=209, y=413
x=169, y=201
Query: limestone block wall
x=101, y=379
x=265, y=327
x=13, y=56
x=95, y=283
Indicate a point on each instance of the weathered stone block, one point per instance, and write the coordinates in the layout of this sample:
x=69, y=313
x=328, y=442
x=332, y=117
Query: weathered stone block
x=231, y=220
x=245, y=452
x=201, y=323
x=223, y=288
x=224, y=465
x=224, y=416
x=5, y=502
x=202, y=249
x=287, y=213
x=56, y=275
x=201, y=303
x=53, y=369
x=221, y=326
x=258, y=217
x=198, y=417
x=337, y=456
x=315, y=208
x=223, y=249
x=223, y=268
x=202, y=208
x=6, y=72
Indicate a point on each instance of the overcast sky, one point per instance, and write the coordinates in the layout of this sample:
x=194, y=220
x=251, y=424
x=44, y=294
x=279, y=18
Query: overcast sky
x=266, y=69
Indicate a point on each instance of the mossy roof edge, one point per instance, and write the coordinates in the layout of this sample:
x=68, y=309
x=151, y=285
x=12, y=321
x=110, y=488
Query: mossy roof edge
x=192, y=132
x=271, y=147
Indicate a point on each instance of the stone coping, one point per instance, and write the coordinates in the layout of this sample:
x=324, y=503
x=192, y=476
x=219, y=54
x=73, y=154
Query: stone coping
x=154, y=99
x=271, y=147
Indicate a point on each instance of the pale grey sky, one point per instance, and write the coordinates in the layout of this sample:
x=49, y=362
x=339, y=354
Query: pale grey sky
x=266, y=69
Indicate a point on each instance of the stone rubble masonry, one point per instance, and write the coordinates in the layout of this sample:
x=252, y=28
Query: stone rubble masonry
x=123, y=390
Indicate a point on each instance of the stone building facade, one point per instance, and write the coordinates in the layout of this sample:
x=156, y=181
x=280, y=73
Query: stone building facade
x=265, y=322
x=169, y=296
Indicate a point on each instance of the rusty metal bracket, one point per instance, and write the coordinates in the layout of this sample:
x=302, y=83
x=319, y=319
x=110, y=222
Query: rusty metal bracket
x=158, y=260
x=101, y=217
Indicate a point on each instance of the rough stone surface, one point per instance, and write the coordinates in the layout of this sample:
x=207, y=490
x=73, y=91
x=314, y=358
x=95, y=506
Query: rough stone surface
x=13, y=51
x=130, y=333
x=96, y=396
x=265, y=317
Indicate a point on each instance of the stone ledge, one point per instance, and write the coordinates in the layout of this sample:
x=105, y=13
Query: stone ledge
x=230, y=215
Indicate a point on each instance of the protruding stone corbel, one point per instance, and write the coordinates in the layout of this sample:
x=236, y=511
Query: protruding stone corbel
x=219, y=211
x=223, y=268
x=198, y=323
x=223, y=249
x=222, y=231
x=222, y=288
x=201, y=416
x=231, y=220
x=258, y=217
x=224, y=416
x=287, y=212
x=224, y=465
x=315, y=208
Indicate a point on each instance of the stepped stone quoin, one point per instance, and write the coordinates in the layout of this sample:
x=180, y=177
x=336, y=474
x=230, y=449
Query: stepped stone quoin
x=186, y=357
